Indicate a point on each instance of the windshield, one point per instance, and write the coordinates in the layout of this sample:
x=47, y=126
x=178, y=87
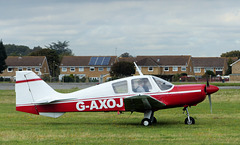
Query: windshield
x=162, y=84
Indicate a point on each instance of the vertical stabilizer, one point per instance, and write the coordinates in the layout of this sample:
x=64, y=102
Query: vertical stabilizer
x=29, y=89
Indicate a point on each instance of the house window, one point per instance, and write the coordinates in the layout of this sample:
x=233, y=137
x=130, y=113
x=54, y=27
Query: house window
x=92, y=68
x=64, y=69
x=20, y=69
x=108, y=68
x=37, y=69
x=209, y=68
x=81, y=69
x=72, y=69
x=150, y=68
x=175, y=68
x=219, y=69
x=183, y=68
x=166, y=68
x=29, y=69
x=100, y=69
x=10, y=69
x=197, y=69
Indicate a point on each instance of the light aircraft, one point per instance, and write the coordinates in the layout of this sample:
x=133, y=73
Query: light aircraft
x=143, y=93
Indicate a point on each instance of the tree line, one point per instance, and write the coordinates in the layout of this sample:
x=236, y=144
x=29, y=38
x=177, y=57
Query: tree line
x=54, y=53
x=56, y=50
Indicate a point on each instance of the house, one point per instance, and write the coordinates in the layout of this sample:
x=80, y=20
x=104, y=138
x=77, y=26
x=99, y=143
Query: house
x=92, y=67
x=235, y=76
x=165, y=65
x=216, y=64
x=37, y=64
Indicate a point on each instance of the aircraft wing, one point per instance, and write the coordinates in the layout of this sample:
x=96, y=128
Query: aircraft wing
x=141, y=103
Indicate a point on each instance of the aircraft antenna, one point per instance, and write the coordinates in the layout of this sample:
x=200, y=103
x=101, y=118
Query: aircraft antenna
x=141, y=74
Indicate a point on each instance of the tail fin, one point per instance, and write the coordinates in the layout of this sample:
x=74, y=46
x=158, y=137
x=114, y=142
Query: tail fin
x=30, y=90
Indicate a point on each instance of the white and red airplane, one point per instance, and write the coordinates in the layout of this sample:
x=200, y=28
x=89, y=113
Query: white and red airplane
x=143, y=93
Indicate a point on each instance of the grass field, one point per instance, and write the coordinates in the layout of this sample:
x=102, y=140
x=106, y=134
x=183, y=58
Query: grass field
x=221, y=127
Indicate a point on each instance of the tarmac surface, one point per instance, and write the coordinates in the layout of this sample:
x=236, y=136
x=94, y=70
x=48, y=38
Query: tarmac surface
x=11, y=86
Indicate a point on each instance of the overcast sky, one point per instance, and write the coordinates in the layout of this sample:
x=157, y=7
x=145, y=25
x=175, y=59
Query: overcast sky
x=139, y=27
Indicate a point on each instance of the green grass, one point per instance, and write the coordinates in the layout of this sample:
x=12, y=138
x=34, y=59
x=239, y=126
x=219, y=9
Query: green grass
x=221, y=127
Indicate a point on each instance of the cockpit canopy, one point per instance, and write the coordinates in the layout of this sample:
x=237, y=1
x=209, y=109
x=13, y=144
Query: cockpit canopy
x=141, y=84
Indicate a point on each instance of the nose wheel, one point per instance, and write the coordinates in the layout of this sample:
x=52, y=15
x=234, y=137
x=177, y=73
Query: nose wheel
x=189, y=120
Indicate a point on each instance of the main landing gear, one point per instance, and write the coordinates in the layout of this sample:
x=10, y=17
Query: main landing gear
x=149, y=118
x=189, y=120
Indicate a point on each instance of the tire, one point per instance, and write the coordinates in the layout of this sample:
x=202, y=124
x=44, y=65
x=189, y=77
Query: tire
x=192, y=121
x=154, y=120
x=146, y=122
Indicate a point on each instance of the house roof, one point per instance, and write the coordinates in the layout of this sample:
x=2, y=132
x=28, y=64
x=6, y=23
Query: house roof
x=25, y=60
x=235, y=62
x=83, y=60
x=148, y=61
x=208, y=61
x=180, y=60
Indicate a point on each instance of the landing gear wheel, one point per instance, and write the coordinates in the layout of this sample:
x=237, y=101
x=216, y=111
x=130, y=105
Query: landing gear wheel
x=146, y=122
x=154, y=120
x=192, y=121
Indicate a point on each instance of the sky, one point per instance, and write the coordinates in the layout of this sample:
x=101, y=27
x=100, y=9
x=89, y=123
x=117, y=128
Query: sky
x=201, y=28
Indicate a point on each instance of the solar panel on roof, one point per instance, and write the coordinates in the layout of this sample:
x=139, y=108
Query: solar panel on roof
x=99, y=61
x=92, y=61
x=106, y=60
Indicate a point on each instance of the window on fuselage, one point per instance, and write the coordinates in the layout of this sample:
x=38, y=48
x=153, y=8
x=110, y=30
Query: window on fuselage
x=120, y=87
x=141, y=85
x=162, y=84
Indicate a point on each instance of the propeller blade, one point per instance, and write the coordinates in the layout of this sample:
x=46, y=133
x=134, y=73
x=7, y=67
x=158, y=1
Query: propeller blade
x=207, y=82
x=210, y=102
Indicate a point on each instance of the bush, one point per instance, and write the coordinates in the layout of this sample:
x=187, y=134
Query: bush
x=83, y=79
x=46, y=78
x=5, y=79
x=71, y=78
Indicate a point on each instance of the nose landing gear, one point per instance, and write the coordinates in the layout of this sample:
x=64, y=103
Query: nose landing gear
x=189, y=120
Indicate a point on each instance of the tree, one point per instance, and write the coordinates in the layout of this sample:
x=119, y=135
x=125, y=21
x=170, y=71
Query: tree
x=61, y=48
x=209, y=73
x=229, y=55
x=234, y=53
x=122, y=69
x=17, y=50
x=126, y=54
x=3, y=56
x=52, y=58
x=36, y=48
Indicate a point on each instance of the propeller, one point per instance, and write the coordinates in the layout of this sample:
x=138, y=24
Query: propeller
x=209, y=97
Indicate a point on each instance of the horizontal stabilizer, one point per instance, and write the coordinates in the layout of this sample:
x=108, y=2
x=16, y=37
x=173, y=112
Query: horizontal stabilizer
x=52, y=114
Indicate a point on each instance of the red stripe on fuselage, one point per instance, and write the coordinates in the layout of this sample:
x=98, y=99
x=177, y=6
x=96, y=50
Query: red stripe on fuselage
x=31, y=80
